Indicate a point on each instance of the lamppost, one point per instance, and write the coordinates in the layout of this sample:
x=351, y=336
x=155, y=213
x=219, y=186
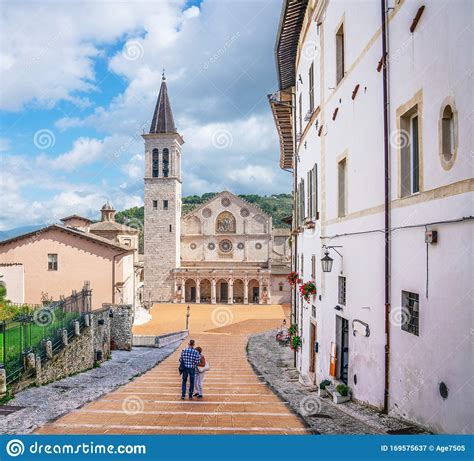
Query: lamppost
x=187, y=317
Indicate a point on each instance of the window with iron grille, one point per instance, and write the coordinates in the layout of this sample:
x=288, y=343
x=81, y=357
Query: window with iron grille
x=410, y=312
x=342, y=290
x=52, y=262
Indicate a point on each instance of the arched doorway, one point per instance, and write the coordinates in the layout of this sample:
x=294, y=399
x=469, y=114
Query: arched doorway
x=205, y=291
x=222, y=291
x=238, y=291
x=254, y=291
x=190, y=291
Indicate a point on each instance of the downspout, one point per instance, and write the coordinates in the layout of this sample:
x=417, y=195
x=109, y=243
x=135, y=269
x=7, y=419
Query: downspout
x=295, y=179
x=386, y=109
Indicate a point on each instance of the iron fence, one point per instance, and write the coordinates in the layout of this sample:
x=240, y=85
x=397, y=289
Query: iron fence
x=29, y=333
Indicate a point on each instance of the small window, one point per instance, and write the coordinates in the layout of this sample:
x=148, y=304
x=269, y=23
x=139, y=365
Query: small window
x=302, y=264
x=171, y=228
x=410, y=153
x=52, y=262
x=342, y=290
x=155, y=204
x=447, y=133
x=311, y=88
x=342, y=188
x=410, y=312
x=280, y=286
x=313, y=267
x=340, y=54
x=127, y=242
x=165, y=204
x=155, y=159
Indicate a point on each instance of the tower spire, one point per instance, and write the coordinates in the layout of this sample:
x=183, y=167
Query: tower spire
x=163, y=121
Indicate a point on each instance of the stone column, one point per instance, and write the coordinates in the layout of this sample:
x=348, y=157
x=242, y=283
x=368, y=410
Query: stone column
x=64, y=337
x=3, y=381
x=213, y=291
x=49, y=350
x=230, y=295
x=77, y=328
x=38, y=364
x=246, y=291
x=198, y=291
x=260, y=291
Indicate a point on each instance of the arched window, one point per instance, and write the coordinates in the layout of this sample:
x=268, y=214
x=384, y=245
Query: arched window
x=225, y=223
x=166, y=162
x=155, y=168
x=447, y=133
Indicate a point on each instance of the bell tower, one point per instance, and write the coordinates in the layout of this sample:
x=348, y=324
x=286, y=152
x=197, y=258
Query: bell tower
x=162, y=233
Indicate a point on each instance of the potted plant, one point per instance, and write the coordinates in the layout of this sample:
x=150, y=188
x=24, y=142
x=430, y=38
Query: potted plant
x=322, y=388
x=342, y=394
x=293, y=329
x=295, y=342
x=293, y=278
x=307, y=290
x=309, y=224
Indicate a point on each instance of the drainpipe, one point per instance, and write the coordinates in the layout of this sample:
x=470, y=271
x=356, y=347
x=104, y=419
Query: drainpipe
x=386, y=108
x=295, y=180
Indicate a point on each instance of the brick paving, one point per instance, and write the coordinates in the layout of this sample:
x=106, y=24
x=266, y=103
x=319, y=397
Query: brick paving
x=236, y=401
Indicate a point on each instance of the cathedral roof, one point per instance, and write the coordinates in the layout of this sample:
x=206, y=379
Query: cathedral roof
x=163, y=121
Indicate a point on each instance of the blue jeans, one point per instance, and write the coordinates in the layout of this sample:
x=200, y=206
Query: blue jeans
x=191, y=372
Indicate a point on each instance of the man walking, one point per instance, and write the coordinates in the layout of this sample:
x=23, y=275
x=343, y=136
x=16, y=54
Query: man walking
x=190, y=357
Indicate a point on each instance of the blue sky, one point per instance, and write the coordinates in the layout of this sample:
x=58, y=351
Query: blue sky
x=79, y=84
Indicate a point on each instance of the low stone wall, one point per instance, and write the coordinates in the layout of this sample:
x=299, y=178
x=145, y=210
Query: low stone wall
x=121, y=324
x=110, y=325
x=159, y=341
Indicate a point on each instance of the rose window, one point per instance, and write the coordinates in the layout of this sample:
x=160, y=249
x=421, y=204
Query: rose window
x=225, y=246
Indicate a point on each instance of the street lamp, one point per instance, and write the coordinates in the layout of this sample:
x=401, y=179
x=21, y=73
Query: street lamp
x=326, y=261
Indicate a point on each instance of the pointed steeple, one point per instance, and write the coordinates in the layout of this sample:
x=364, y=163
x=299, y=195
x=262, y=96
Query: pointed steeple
x=163, y=121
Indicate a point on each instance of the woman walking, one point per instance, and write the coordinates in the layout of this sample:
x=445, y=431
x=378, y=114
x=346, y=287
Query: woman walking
x=201, y=369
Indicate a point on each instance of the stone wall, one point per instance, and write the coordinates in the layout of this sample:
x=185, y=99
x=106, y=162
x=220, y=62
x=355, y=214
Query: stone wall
x=121, y=324
x=93, y=344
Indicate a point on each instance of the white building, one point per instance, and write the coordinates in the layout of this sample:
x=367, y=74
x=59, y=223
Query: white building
x=393, y=319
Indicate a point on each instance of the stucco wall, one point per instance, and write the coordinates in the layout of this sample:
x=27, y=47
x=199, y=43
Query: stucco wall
x=12, y=275
x=78, y=260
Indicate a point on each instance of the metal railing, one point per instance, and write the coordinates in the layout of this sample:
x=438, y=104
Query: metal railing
x=28, y=333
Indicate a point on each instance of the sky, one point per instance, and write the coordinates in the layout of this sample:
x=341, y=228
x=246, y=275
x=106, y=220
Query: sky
x=79, y=82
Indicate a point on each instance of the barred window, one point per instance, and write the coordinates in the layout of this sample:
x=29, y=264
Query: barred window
x=342, y=290
x=155, y=159
x=411, y=312
x=313, y=267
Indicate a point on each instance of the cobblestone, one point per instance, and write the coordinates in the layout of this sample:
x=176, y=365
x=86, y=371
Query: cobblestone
x=275, y=364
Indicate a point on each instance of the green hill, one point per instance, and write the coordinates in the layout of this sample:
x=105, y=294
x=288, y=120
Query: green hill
x=278, y=206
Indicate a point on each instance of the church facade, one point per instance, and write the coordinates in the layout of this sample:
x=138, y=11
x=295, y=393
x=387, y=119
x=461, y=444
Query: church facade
x=224, y=251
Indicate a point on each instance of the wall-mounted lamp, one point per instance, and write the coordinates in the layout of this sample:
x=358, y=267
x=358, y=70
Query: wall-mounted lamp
x=326, y=261
x=338, y=308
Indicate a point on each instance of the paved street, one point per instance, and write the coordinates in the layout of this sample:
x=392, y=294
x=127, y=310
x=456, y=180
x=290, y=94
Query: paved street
x=235, y=400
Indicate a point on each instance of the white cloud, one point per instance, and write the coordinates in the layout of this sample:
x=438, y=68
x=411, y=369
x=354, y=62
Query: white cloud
x=253, y=175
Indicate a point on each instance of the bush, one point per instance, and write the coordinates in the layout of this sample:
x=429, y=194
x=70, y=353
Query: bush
x=342, y=389
x=324, y=384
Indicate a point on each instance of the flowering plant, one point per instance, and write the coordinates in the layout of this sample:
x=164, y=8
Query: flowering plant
x=294, y=278
x=293, y=329
x=295, y=342
x=307, y=290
